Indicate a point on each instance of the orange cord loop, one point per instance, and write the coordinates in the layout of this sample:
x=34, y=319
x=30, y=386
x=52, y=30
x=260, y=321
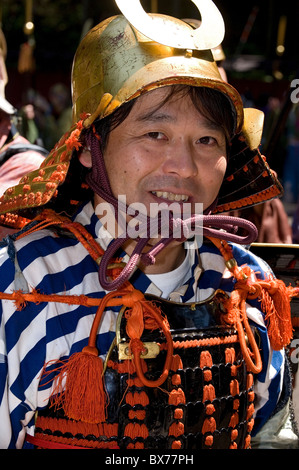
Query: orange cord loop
x=169, y=355
x=275, y=301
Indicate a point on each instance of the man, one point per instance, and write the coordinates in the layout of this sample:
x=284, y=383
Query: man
x=117, y=332
x=17, y=155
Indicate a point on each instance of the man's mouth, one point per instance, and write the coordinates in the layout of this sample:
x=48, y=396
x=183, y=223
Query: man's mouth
x=171, y=196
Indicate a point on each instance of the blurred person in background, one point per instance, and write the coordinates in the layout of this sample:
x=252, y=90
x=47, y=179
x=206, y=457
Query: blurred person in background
x=17, y=154
x=59, y=118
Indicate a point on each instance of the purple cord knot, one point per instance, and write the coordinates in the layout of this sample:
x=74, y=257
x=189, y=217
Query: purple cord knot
x=211, y=225
x=148, y=259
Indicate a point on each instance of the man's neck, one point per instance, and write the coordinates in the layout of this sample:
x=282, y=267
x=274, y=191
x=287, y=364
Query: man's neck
x=170, y=258
x=167, y=260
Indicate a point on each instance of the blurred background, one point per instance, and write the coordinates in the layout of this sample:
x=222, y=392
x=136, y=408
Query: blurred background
x=260, y=44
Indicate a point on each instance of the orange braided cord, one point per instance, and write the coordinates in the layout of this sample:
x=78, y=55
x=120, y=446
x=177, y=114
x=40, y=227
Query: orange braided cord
x=108, y=430
x=236, y=308
x=21, y=298
x=262, y=196
x=58, y=442
x=193, y=343
x=135, y=346
x=49, y=218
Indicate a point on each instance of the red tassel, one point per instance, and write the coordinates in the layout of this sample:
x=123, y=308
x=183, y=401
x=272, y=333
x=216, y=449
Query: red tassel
x=276, y=305
x=83, y=397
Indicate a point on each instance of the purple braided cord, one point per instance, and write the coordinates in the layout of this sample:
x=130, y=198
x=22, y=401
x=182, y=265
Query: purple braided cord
x=207, y=225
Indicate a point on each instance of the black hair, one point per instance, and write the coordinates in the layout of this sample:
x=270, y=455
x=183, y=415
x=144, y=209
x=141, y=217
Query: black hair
x=212, y=104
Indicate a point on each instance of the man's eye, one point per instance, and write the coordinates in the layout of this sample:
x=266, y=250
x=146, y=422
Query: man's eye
x=207, y=140
x=156, y=135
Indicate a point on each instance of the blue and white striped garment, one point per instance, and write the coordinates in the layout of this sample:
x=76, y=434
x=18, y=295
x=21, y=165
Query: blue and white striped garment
x=49, y=331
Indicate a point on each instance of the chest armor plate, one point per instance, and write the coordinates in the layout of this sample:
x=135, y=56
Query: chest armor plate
x=206, y=401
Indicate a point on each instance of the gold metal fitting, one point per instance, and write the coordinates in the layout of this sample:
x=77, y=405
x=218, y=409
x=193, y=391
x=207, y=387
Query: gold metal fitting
x=150, y=349
x=231, y=263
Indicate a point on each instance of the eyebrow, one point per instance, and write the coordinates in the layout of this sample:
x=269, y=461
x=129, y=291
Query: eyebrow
x=154, y=116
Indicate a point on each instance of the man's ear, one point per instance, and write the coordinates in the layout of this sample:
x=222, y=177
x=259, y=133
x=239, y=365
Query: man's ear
x=85, y=158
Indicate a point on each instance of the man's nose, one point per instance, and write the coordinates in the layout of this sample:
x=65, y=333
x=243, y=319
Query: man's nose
x=179, y=159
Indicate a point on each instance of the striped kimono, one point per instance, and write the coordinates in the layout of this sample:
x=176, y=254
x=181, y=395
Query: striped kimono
x=44, y=332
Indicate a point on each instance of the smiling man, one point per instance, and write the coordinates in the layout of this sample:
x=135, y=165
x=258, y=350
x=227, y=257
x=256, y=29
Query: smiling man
x=115, y=341
x=173, y=154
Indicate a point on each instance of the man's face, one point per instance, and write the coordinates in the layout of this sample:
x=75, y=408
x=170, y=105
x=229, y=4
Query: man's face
x=166, y=154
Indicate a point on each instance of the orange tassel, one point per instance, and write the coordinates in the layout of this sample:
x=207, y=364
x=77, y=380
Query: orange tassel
x=83, y=397
x=275, y=297
x=276, y=305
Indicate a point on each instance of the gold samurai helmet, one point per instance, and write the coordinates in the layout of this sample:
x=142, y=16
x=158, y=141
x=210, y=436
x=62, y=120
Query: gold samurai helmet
x=125, y=56
x=128, y=55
